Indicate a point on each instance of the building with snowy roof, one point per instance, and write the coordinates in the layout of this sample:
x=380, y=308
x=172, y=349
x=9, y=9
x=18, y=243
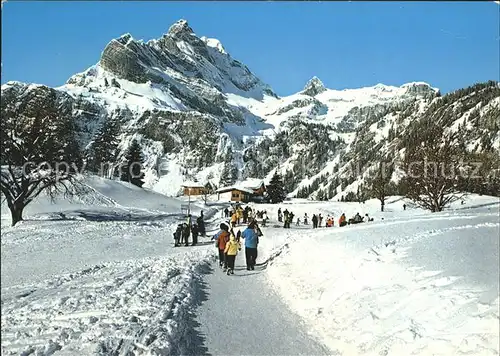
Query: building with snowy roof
x=249, y=190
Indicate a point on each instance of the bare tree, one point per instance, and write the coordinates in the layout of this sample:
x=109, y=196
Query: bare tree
x=208, y=190
x=433, y=165
x=38, y=154
x=482, y=173
x=379, y=182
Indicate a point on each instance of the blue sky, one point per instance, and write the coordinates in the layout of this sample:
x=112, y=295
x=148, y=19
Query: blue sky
x=346, y=44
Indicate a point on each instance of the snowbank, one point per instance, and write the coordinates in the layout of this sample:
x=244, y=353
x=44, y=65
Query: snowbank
x=417, y=283
x=138, y=306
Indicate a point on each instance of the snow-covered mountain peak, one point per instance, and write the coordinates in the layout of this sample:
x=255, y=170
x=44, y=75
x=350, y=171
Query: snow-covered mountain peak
x=125, y=38
x=419, y=88
x=383, y=87
x=181, y=26
x=313, y=87
x=179, y=63
x=214, y=43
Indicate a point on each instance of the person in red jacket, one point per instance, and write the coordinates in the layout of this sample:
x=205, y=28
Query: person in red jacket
x=222, y=240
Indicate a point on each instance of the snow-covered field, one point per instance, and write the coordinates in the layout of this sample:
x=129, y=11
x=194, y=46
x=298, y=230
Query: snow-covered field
x=101, y=276
x=414, y=283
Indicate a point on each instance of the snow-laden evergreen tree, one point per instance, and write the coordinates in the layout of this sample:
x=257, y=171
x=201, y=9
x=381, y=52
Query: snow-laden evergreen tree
x=102, y=152
x=229, y=175
x=132, y=167
x=229, y=172
x=276, y=189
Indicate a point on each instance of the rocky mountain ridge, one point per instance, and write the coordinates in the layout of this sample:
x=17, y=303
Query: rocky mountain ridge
x=198, y=113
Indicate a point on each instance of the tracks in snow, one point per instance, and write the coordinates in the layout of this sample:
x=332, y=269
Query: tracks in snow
x=128, y=308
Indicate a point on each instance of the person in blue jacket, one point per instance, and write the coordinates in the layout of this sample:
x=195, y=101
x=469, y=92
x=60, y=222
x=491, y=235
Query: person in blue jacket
x=251, y=242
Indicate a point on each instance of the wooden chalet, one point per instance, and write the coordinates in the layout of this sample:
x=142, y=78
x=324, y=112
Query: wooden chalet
x=193, y=188
x=244, y=192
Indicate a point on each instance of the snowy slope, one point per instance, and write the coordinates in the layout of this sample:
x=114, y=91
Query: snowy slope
x=414, y=283
x=99, y=275
x=112, y=214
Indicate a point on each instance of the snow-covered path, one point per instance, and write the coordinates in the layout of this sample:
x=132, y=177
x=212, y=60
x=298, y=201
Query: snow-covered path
x=244, y=316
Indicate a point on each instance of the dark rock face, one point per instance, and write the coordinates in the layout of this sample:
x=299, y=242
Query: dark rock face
x=314, y=87
x=124, y=62
x=182, y=51
x=41, y=101
x=421, y=89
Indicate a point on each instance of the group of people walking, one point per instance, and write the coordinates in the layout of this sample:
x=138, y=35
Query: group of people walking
x=240, y=215
x=229, y=244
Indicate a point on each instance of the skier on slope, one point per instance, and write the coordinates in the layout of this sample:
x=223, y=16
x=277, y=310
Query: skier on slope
x=264, y=219
x=245, y=215
x=342, y=220
x=285, y=214
x=239, y=215
x=234, y=219
x=290, y=219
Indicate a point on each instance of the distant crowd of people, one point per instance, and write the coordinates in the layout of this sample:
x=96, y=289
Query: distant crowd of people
x=287, y=218
x=189, y=229
x=239, y=215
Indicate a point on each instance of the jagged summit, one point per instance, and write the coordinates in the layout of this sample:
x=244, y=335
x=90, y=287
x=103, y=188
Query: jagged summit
x=180, y=27
x=181, y=63
x=125, y=38
x=313, y=87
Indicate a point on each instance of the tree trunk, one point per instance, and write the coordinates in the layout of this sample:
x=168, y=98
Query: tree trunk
x=382, y=206
x=16, y=212
x=436, y=206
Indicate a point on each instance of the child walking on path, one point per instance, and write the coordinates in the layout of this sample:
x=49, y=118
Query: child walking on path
x=231, y=250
